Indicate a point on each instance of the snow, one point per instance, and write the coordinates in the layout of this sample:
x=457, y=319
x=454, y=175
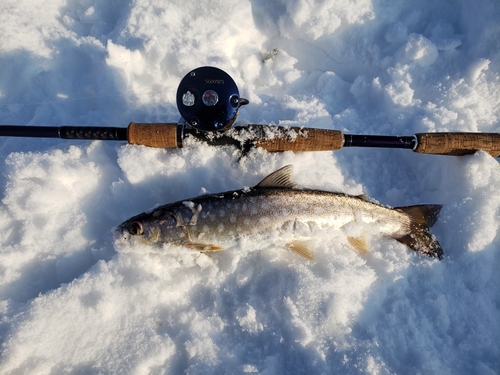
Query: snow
x=70, y=303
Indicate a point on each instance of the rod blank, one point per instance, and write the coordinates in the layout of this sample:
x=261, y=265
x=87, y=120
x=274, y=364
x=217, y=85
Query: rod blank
x=384, y=141
x=65, y=132
x=270, y=138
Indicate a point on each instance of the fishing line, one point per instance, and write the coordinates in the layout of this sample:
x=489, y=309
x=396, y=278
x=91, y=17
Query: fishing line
x=82, y=98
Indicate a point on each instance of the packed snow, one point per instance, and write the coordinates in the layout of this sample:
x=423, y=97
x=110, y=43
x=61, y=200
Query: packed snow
x=72, y=303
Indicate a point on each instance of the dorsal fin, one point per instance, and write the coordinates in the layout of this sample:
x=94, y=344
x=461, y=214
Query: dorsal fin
x=282, y=178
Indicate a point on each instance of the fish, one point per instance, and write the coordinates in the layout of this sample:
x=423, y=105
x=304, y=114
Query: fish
x=214, y=222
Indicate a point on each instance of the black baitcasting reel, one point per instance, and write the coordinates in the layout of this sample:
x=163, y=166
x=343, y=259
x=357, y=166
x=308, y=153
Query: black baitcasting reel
x=208, y=99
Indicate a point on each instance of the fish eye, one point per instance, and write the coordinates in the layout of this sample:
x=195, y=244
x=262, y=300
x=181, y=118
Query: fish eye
x=135, y=228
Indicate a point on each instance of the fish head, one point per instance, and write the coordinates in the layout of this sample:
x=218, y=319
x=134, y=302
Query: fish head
x=144, y=229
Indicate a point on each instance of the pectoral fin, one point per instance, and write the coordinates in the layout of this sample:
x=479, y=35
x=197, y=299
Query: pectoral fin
x=301, y=248
x=203, y=246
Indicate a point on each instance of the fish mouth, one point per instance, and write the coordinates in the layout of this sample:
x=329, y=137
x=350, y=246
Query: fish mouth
x=121, y=237
x=124, y=239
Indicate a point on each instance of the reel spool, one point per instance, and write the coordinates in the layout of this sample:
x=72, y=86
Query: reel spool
x=208, y=99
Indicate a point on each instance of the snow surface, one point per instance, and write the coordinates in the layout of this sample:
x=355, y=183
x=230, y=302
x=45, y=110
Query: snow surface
x=71, y=304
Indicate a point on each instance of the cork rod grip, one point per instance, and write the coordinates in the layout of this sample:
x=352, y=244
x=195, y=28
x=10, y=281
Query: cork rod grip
x=458, y=143
x=161, y=135
x=282, y=139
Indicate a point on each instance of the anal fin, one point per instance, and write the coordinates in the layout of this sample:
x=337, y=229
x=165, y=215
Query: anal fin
x=301, y=248
x=359, y=243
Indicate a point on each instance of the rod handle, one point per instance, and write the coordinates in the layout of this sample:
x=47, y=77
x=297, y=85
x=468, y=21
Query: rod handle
x=161, y=135
x=280, y=138
x=457, y=143
x=270, y=138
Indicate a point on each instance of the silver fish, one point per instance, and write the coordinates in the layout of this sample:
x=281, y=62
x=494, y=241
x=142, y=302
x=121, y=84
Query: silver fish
x=216, y=221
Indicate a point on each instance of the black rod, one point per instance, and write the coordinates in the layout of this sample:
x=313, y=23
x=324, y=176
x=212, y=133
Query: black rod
x=93, y=132
x=384, y=141
x=65, y=132
x=29, y=131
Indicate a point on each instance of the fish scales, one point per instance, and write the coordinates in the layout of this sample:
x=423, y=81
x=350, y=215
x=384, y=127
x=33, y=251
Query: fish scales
x=216, y=221
x=261, y=209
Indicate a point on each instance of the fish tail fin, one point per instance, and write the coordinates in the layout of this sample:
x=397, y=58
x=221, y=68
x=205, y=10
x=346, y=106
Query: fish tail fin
x=419, y=239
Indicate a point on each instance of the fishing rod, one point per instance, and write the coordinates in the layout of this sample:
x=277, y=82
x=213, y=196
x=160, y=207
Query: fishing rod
x=209, y=102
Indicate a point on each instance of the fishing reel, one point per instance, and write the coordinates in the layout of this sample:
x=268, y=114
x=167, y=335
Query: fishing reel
x=208, y=99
